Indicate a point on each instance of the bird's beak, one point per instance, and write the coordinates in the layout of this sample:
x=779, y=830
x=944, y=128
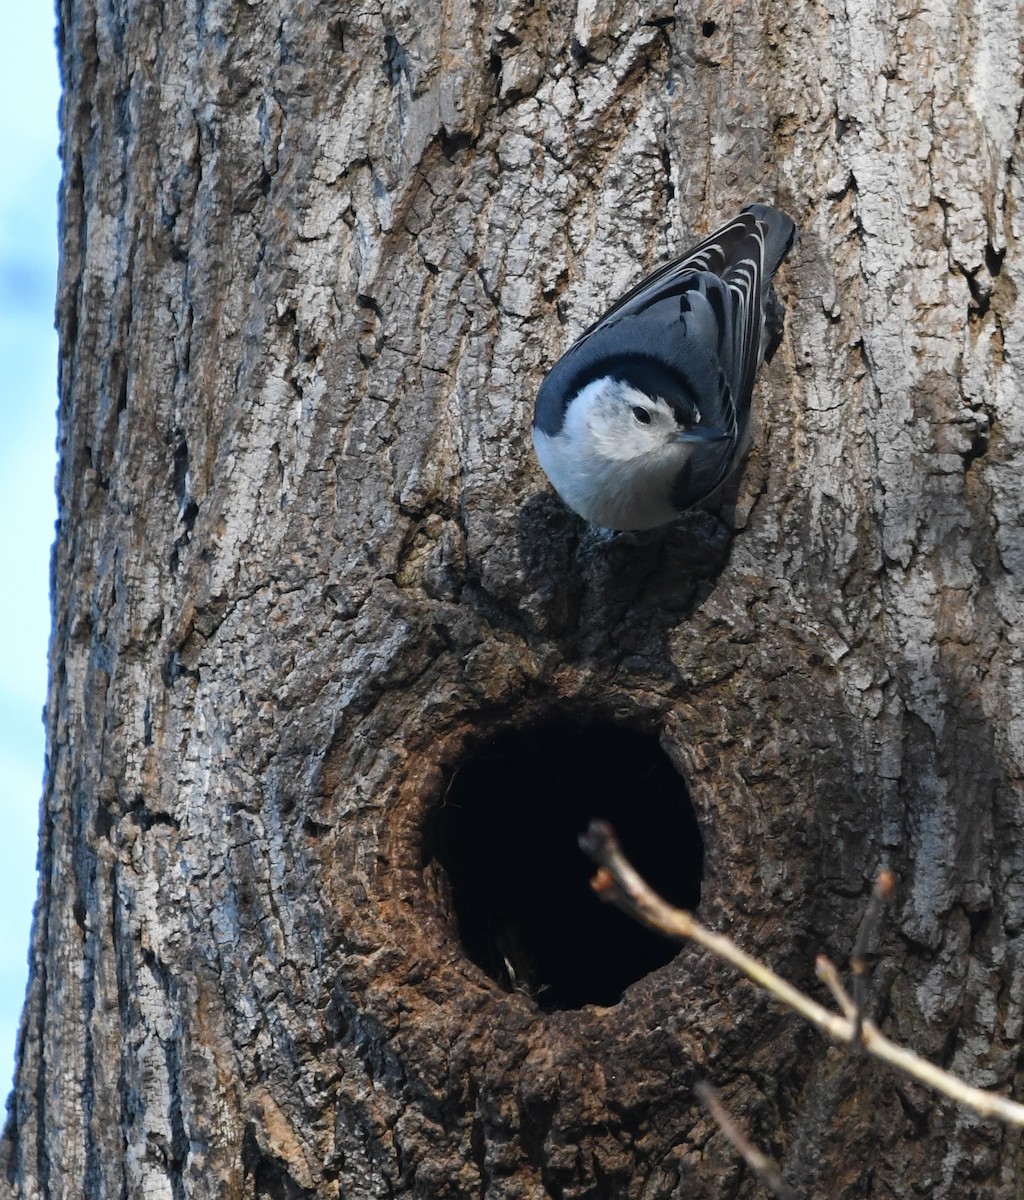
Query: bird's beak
x=700, y=433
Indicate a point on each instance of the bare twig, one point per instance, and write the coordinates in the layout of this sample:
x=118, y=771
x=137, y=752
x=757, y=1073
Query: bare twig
x=765, y=1170
x=829, y=976
x=617, y=882
x=881, y=894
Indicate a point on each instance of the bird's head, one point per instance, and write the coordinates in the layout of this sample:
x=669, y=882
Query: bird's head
x=619, y=451
x=616, y=421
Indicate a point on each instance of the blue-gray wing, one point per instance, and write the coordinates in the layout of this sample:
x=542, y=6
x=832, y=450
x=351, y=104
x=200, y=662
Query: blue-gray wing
x=718, y=292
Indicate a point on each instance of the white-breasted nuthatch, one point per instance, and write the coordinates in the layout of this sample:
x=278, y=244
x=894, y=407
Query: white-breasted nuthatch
x=649, y=411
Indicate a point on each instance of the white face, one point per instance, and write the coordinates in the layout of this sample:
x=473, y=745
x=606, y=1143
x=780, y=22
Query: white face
x=616, y=456
x=615, y=421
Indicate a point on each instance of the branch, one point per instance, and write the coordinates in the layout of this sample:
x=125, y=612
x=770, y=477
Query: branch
x=881, y=894
x=766, y=1172
x=829, y=976
x=618, y=883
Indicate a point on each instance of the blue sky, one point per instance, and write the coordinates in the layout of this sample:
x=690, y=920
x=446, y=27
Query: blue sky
x=29, y=92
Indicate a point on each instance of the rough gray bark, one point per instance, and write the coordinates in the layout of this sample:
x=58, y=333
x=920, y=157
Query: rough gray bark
x=314, y=264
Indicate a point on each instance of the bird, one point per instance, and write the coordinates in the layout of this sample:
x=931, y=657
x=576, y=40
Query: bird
x=649, y=410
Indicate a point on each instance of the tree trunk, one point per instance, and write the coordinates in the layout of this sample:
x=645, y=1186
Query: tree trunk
x=315, y=262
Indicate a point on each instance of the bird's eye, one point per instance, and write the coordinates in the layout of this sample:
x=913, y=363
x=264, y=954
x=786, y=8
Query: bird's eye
x=642, y=415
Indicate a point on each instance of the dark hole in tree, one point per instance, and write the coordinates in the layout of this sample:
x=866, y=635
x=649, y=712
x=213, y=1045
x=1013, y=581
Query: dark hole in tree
x=708, y=28
x=507, y=838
